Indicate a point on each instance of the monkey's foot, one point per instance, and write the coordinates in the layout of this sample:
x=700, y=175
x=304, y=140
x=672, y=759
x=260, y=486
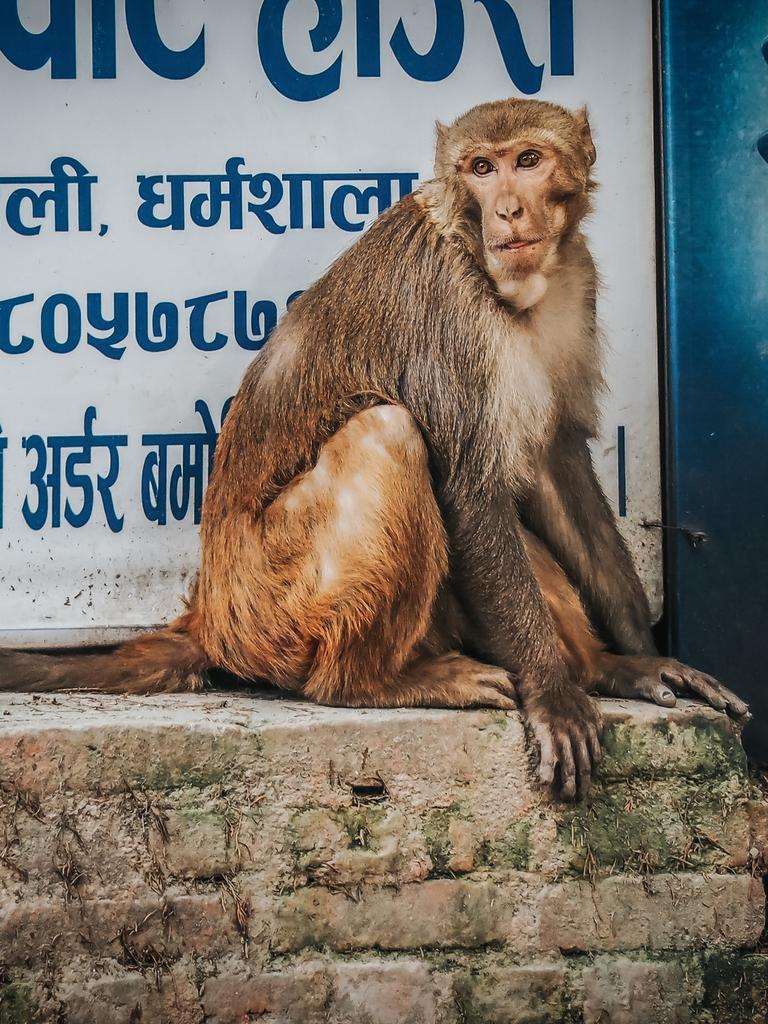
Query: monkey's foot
x=661, y=679
x=436, y=681
x=486, y=686
x=567, y=730
x=455, y=681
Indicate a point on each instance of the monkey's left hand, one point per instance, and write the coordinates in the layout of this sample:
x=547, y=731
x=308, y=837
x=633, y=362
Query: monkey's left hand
x=661, y=679
x=567, y=729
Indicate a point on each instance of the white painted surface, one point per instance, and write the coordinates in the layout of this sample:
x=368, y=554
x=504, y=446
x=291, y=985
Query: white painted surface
x=139, y=123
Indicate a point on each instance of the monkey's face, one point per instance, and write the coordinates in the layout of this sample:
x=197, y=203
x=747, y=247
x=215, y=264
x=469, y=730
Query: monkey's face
x=522, y=197
x=518, y=172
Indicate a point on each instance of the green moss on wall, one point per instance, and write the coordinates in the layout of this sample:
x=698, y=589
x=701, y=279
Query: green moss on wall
x=646, y=826
x=512, y=850
x=16, y=1003
x=438, y=840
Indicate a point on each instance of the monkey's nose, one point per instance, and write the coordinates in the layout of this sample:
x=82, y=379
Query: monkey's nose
x=509, y=209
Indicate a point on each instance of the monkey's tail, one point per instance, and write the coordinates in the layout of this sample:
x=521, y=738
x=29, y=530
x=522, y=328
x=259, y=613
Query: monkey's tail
x=167, y=661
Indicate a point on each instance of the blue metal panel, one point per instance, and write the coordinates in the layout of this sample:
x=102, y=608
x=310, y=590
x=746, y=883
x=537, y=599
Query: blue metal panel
x=715, y=109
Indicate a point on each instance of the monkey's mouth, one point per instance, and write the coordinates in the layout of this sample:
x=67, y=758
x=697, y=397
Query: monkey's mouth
x=515, y=244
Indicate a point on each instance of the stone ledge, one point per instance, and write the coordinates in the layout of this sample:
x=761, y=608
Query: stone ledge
x=198, y=740
x=217, y=856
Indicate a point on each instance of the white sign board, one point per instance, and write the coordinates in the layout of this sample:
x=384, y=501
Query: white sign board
x=173, y=173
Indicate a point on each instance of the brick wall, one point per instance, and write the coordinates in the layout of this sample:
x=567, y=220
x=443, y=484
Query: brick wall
x=226, y=859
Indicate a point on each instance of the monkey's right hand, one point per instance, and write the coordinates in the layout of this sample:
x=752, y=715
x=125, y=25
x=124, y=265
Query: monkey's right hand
x=566, y=725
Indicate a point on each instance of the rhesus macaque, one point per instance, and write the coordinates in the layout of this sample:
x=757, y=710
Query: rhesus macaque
x=403, y=509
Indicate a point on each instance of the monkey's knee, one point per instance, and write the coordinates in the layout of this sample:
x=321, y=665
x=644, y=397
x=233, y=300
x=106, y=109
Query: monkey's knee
x=373, y=470
x=380, y=500
x=356, y=464
x=351, y=556
x=359, y=520
x=392, y=423
x=381, y=433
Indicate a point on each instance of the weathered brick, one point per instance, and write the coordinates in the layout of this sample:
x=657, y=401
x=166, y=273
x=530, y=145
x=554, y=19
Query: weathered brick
x=657, y=912
x=689, y=740
x=237, y=994
x=404, y=992
x=531, y=994
x=151, y=749
x=177, y=924
x=693, y=987
x=463, y=846
x=624, y=991
x=90, y=744
x=435, y=914
x=352, y=845
x=757, y=813
x=197, y=846
x=642, y=825
x=91, y=840
x=20, y=1000
x=130, y=998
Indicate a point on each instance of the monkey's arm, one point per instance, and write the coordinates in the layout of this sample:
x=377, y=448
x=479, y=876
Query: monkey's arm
x=510, y=625
x=569, y=512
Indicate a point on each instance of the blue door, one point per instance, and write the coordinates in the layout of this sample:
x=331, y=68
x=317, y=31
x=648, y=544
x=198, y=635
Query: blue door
x=715, y=128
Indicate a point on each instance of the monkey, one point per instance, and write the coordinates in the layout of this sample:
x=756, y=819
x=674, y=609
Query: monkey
x=403, y=509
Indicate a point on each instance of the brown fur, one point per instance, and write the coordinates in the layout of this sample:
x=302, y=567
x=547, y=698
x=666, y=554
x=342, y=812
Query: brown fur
x=403, y=484
x=580, y=648
x=169, y=661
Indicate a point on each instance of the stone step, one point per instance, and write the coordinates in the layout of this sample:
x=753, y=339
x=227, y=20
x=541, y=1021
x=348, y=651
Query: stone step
x=251, y=855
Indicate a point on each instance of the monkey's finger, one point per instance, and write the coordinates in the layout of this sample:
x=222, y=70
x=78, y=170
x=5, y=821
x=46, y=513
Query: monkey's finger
x=709, y=693
x=736, y=705
x=506, y=686
x=709, y=689
x=567, y=769
x=674, y=674
x=547, y=756
x=594, y=745
x=585, y=765
x=653, y=689
x=698, y=685
x=490, y=697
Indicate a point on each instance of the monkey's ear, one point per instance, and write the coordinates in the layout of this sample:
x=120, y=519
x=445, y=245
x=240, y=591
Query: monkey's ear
x=582, y=123
x=441, y=139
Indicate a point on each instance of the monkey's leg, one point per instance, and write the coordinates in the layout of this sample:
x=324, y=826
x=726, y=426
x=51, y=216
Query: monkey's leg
x=570, y=513
x=382, y=563
x=508, y=620
x=615, y=675
x=350, y=563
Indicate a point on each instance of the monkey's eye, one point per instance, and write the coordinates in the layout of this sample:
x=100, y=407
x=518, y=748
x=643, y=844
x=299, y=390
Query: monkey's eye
x=528, y=159
x=482, y=167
